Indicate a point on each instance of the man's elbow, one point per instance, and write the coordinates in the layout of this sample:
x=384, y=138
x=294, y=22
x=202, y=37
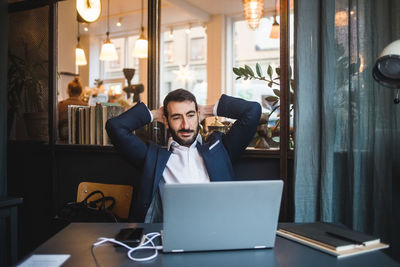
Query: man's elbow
x=110, y=126
x=255, y=112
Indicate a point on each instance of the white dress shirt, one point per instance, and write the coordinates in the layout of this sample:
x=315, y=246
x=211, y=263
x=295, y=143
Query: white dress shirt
x=185, y=165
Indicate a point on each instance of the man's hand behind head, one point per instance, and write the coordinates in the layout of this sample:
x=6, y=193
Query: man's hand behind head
x=158, y=114
x=205, y=111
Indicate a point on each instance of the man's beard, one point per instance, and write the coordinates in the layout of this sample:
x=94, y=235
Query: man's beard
x=175, y=136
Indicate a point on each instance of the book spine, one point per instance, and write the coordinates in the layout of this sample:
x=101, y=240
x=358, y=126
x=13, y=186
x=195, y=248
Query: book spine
x=99, y=137
x=92, y=112
x=87, y=125
x=69, y=125
x=73, y=125
x=81, y=118
x=103, y=129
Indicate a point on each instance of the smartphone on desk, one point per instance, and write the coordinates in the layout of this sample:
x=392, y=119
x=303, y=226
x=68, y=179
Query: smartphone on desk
x=130, y=236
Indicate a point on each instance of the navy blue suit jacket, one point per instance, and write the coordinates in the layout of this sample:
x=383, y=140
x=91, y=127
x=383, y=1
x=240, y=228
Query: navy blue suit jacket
x=152, y=159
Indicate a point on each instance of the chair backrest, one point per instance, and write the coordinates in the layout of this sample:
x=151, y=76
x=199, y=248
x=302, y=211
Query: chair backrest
x=121, y=193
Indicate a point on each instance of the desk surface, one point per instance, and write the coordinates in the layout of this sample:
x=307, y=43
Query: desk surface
x=76, y=239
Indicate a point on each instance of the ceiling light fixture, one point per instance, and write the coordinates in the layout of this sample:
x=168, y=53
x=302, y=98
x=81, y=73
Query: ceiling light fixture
x=141, y=46
x=171, y=33
x=108, y=51
x=119, y=24
x=253, y=11
x=88, y=10
x=188, y=29
x=80, y=58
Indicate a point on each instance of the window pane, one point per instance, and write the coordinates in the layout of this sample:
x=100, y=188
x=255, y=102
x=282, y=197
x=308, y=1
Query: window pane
x=102, y=80
x=28, y=39
x=249, y=48
x=184, y=61
x=260, y=46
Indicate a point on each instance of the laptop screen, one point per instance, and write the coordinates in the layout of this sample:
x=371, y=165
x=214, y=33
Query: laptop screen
x=220, y=215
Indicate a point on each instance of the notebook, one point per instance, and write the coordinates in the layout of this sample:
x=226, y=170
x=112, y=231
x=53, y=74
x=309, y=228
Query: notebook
x=330, y=238
x=220, y=215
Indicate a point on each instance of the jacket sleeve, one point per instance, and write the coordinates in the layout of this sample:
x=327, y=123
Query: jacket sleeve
x=247, y=115
x=120, y=130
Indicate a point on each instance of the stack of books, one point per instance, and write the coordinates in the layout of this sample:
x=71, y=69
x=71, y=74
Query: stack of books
x=330, y=238
x=86, y=124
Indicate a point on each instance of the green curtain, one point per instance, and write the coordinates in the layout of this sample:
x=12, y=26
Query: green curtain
x=347, y=154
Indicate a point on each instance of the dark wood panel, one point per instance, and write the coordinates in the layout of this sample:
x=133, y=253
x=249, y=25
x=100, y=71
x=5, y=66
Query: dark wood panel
x=284, y=96
x=29, y=177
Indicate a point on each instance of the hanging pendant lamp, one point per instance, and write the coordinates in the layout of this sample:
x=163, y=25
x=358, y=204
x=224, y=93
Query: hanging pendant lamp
x=274, y=30
x=108, y=51
x=253, y=11
x=274, y=34
x=80, y=58
x=141, y=46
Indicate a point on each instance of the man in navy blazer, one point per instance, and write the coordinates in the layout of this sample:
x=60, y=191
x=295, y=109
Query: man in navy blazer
x=187, y=159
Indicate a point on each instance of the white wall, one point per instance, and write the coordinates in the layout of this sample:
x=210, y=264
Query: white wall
x=66, y=42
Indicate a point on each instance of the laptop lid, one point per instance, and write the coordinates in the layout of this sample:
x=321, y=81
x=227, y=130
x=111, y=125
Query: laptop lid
x=220, y=215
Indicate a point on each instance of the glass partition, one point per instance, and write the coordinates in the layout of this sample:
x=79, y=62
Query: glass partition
x=105, y=86
x=28, y=38
x=208, y=39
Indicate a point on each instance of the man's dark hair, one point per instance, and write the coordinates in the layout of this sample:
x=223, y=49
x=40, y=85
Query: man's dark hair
x=178, y=95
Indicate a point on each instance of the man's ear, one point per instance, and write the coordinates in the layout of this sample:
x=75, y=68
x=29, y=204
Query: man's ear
x=165, y=120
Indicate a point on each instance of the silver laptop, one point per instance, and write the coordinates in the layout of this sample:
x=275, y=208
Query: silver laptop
x=220, y=215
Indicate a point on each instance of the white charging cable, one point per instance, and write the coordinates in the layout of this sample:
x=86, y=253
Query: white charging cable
x=147, y=244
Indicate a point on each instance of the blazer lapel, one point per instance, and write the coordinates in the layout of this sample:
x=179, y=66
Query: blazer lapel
x=204, y=152
x=216, y=162
x=162, y=159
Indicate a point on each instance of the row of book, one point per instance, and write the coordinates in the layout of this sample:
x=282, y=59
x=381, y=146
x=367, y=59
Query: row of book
x=86, y=124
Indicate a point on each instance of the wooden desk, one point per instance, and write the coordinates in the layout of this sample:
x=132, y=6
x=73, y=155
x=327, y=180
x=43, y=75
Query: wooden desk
x=77, y=238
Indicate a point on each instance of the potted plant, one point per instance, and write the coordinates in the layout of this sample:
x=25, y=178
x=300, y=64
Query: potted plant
x=27, y=75
x=265, y=131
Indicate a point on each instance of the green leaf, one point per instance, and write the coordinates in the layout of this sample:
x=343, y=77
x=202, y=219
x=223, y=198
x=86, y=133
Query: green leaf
x=258, y=70
x=270, y=84
x=271, y=98
x=277, y=92
x=290, y=72
x=238, y=77
x=269, y=71
x=236, y=71
x=249, y=70
x=278, y=71
x=243, y=71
